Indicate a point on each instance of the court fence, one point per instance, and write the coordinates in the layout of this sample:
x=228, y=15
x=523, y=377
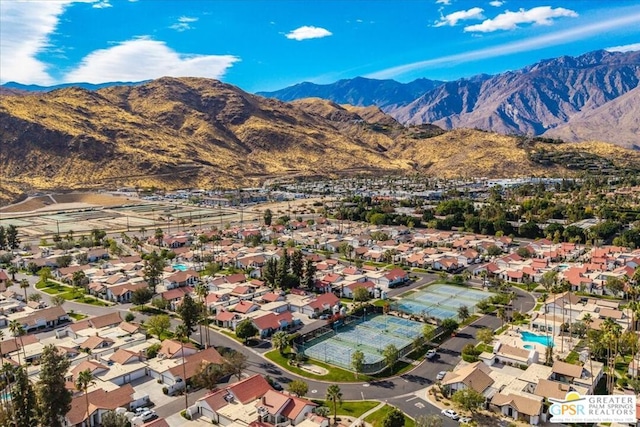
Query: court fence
x=307, y=340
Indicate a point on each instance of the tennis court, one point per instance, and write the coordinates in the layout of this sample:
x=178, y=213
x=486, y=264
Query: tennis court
x=442, y=301
x=370, y=336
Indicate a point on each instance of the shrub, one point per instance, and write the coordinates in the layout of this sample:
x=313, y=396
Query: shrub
x=165, y=390
x=129, y=317
x=152, y=350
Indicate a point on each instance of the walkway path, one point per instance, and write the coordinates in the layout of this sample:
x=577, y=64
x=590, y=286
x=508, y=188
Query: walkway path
x=360, y=420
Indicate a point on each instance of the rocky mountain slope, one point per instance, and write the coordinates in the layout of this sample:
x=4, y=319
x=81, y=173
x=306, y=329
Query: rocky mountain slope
x=359, y=91
x=536, y=99
x=193, y=132
x=616, y=121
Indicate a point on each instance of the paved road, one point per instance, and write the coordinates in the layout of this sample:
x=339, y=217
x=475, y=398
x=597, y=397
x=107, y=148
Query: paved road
x=406, y=391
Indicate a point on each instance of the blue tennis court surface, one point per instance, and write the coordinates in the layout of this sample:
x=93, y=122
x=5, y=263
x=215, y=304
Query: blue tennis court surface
x=442, y=301
x=370, y=337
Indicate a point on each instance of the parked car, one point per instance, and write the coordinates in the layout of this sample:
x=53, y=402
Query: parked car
x=432, y=354
x=148, y=415
x=441, y=375
x=277, y=386
x=465, y=420
x=450, y=413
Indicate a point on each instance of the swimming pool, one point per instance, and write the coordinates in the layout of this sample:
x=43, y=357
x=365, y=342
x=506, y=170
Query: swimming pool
x=528, y=347
x=180, y=267
x=538, y=339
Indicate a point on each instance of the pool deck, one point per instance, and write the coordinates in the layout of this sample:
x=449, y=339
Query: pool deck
x=512, y=337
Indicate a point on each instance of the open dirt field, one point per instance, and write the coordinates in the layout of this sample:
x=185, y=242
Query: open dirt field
x=65, y=201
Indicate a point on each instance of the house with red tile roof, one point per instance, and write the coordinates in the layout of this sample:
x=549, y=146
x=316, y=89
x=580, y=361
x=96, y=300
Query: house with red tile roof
x=321, y=303
x=394, y=277
x=181, y=278
x=272, y=322
x=100, y=402
x=245, y=307
x=347, y=291
x=253, y=402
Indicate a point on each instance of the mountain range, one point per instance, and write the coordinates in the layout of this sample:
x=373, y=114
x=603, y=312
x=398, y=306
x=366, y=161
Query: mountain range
x=194, y=132
x=576, y=98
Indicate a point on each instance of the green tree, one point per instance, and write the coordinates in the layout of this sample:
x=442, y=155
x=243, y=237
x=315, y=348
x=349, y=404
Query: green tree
x=485, y=335
x=432, y=420
x=309, y=274
x=12, y=237
x=463, y=313
x=17, y=330
x=58, y=300
x=35, y=297
x=245, y=330
x=12, y=270
x=45, y=275
x=82, y=383
x=357, y=362
x=23, y=399
x=297, y=264
x=394, y=418
x=298, y=387
x=113, y=419
x=615, y=285
x=158, y=325
x=280, y=341
x=54, y=400
x=141, y=296
x=64, y=261
x=3, y=238
x=449, y=325
x=153, y=266
x=268, y=216
x=360, y=294
x=189, y=311
x=270, y=272
x=235, y=363
x=159, y=236
x=468, y=399
x=24, y=284
x=208, y=375
x=334, y=395
x=391, y=355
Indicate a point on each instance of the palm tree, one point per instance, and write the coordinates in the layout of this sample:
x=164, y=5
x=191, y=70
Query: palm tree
x=17, y=330
x=588, y=320
x=612, y=332
x=12, y=270
x=334, y=395
x=82, y=383
x=279, y=341
x=202, y=291
x=24, y=284
x=77, y=279
x=502, y=315
x=182, y=332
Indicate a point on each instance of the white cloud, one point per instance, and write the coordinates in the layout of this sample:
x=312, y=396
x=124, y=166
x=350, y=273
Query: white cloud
x=24, y=33
x=624, y=48
x=508, y=20
x=444, y=2
x=102, y=4
x=453, y=18
x=496, y=3
x=308, y=32
x=144, y=59
x=184, y=23
x=552, y=39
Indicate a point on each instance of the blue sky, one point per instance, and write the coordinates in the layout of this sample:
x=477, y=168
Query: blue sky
x=270, y=44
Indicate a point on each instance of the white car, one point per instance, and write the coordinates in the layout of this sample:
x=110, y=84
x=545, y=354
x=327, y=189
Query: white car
x=441, y=375
x=148, y=415
x=465, y=420
x=450, y=413
x=431, y=354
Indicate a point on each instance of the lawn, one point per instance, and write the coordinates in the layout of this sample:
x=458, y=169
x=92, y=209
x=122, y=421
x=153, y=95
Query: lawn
x=377, y=417
x=352, y=408
x=77, y=316
x=484, y=347
x=573, y=358
x=537, y=307
x=335, y=374
x=469, y=320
